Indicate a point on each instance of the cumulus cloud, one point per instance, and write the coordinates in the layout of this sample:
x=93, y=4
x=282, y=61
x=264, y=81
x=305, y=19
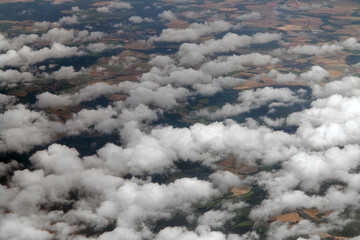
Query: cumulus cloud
x=193, y=32
x=21, y=129
x=112, y=6
x=192, y=54
x=99, y=47
x=6, y=100
x=167, y=15
x=68, y=20
x=315, y=75
x=251, y=99
x=223, y=65
x=249, y=17
x=27, y=56
x=325, y=49
x=11, y=77
x=62, y=35
x=138, y=19
x=65, y=73
x=351, y=43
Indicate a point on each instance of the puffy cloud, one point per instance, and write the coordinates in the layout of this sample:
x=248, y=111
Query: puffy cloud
x=165, y=97
x=10, y=77
x=329, y=122
x=351, y=43
x=249, y=17
x=251, y=99
x=325, y=49
x=65, y=73
x=112, y=6
x=27, y=56
x=68, y=20
x=62, y=35
x=167, y=15
x=224, y=180
x=138, y=19
x=315, y=75
x=215, y=218
x=48, y=100
x=6, y=100
x=223, y=65
x=191, y=53
x=348, y=86
x=17, y=42
x=304, y=7
x=203, y=232
x=161, y=61
x=21, y=129
x=193, y=32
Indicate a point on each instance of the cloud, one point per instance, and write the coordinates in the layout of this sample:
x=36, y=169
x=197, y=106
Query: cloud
x=27, y=56
x=192, y=54
x=68, y=20
x=329, y=122
x=325, y=49
x=315, y=75
x=99, y=47
x=181, y=233
x=351, y=43
x=10, y=77
x=193, y=32
x=252, y=99
x=112, y=6
x=6, y=100
x=61, y=35
x=21, y=129
x=138, y=19
x=65, y=73
x=347, y=86
x=249, y=17
x=167, y=15
x=304, y=7
x=223, y=65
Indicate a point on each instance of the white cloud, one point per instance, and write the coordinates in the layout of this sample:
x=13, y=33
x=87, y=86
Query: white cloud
x=249, y=17
x=192, y=54
x=27, y=56
x=138, y=19
x=167, y=15
x=193, y=32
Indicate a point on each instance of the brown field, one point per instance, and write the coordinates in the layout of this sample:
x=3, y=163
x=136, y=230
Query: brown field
x=240, y=190
x=99, y=4
x=316, y=214
x=290, y=28
x=290, y=217
x=230, y=164
x=335, y=73
x=177, y=24
x=139, y=45
x=128, y=78
x=117, y=97
x=228, y=9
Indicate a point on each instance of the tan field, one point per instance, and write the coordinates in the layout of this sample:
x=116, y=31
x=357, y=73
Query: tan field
x=178, y=24
x=117, y=97
x=99, y=4
x=240, y=191
x=139, y=45
x=290, y=28
x=316, y=214
x=290, y=217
